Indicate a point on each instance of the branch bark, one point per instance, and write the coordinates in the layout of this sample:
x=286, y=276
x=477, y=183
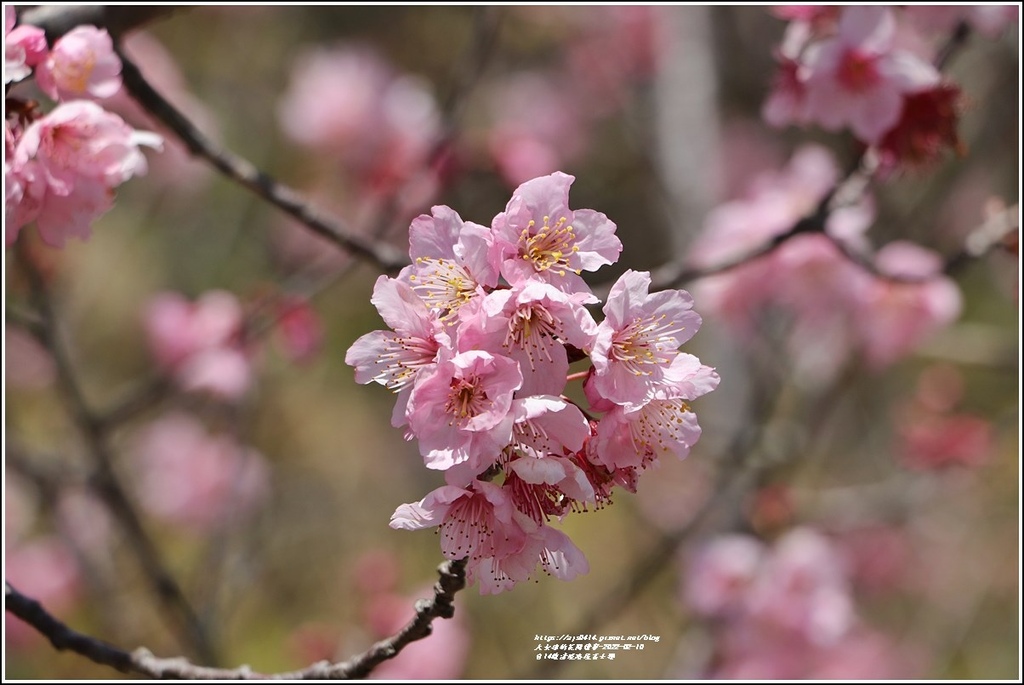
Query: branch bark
x=452, y=578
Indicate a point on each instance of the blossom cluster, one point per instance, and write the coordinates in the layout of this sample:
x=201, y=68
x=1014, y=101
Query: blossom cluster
x=485, y=323
x=862, y=68
x=61, y=168
x=786, y=610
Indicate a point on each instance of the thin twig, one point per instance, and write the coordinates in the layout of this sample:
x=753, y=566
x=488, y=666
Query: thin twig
x=246, y=174
x=452, y=578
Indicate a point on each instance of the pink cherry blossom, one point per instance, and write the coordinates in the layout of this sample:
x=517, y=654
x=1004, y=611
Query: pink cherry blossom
x=461, y=411
x=720, y=574
x=894, y=318
x=557, y=554
x=24, y=47
x=64, y=168
x=541, y=238
x=453, y=260
x=349, y=100
x=189, y=478
x=858, y=80
x=803, y=587
x=532, y=323
x=394, y=358
x=636, y=436
x=546, y=486
x=199, y=343
x=82, y=64
x=45, y=569
x=637, y=342
x=475, y=522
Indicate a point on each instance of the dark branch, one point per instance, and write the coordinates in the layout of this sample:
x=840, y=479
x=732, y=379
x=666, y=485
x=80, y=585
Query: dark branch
x=143, y=662
x=247, y=175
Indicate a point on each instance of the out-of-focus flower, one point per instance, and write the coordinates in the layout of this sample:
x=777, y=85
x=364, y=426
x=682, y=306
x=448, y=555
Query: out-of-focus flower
x=857, y=79
x=82, y=64
x=299, y=329
x=200, y=343
x=24, y=47
x=44, y=569
x=894, y=318
x=926, y=127
x=786, y=611
x=65, y=166
x=349, y=101
x=187, y=477
x=989, y=20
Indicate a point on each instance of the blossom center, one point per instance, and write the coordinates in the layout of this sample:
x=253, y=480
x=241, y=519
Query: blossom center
x=528, y=327
x=403, y=358
x=443, y=285
x=549, y=246
x=857, y=71
x=659, y=426
x=645, y=343
x=465, y=400
x=74, y=75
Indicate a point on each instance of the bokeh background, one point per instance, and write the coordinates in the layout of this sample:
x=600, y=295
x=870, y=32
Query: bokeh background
x=656, y=111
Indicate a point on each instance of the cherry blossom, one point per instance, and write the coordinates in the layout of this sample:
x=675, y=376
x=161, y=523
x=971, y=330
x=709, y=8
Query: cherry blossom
x=541, y=238
x=857, y=79
x=24, y=47
x=82, y=64
x=189, y=478
x=475, y=522
x=461, y=410
x=65, y=166
x=637, y=343
x=200, y=343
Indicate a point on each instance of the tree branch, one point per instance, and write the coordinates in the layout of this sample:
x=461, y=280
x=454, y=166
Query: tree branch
x=246, y=174
x=452, y=578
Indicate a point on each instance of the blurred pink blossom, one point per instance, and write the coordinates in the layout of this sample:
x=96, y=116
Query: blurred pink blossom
x=65, y=166
x=46, y=570
x=786, y=611
x=187, y=477
x=349, y=101
x=894, y=318
x=857, y=79
x=82, y=64
x=299, y=328
x=721, y=573
x=24, y=47
x=989, y=20
x=537, y=127
x=200, y=343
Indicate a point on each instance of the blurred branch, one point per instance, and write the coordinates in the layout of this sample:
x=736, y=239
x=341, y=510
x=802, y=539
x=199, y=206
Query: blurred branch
x=56, y=20
x=142, y=662
x=246, y=174
x=104, y=480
